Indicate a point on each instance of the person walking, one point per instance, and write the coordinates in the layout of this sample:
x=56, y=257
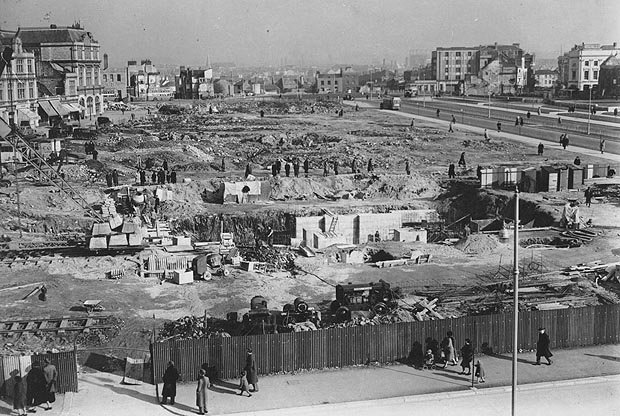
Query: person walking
x=173, y=176
x=407, y=169
x=453, y=119
x=438, y=113
x=287, y=169
x=462, y=161
x=588, y=195
x=201, y=392
x=499, y=126
x=542, y=347
x=516, y=121
x=354, y=166
x=528, y=115
x=541, y=149
x=306, y=167
x=223, y=164
x=243, y=384
x=36, y=393
x=250, y=369
x=565, y=141
x=467, y=355
x=450, y=129
x=486, y=135
x=108, y=179
x=601, y=145
x=170, y=378
x=479, y=373
x=19, y=395
x=449, y=351
x=370, y=167
x=51, y=377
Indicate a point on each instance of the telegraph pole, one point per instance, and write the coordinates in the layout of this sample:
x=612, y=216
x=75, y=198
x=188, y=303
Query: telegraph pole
x=515, y=318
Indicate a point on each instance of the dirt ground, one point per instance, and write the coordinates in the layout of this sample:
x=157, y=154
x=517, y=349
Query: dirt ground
x=194, y=144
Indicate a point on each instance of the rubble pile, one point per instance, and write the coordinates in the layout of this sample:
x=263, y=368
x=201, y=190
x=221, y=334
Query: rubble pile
x=190, y=327
x=477, y=244
x=278, y=259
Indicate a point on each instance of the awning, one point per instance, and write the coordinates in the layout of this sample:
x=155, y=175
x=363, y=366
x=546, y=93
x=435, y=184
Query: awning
x=49, y=110
x=59, y=107
x=73, y=108
x=26, y=114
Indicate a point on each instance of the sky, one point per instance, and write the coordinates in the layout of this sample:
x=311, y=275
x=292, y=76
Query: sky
x=317, y=32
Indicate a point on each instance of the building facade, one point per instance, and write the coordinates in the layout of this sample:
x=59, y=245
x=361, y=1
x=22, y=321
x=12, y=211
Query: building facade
x=67, y=64
x=546, y=78
x=580, y=67
x=609, y=80
x=18, y=85
x=452, y=65
x=114, y=82
x=337, y=82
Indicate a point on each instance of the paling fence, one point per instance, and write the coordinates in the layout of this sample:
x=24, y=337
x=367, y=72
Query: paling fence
x=12, y=365
x=341, y=347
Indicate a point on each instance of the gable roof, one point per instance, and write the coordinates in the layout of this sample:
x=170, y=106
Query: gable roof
x=38, y=35
x=613, y=60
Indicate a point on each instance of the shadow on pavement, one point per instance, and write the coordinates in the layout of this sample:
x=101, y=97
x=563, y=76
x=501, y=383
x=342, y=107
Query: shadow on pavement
x=520, y=360
x=423, y=376
x=182, y=407
x=6, y=406
x=604, y=357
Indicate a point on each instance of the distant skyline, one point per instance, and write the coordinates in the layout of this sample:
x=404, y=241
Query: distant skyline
x=317, y=32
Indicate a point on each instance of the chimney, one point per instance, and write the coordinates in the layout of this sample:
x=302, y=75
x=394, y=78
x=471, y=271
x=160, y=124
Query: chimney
x=105, y=61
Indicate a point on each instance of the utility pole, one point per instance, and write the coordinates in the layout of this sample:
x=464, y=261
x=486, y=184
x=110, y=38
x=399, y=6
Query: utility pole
x=589, y=109
x=489, y=103
x=515, y=318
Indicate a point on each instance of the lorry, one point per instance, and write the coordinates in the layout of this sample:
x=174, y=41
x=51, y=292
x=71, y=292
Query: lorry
x=379, y=297
x=390, y=103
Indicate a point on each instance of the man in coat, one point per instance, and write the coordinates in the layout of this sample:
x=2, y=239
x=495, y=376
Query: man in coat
x=542, y=347
x=170, y=378
x=51, y=376
x=250, y=370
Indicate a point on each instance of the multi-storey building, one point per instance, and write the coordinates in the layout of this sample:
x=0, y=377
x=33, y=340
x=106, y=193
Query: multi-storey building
x=580, y=67
x=340, y=81
x=143, y=79
x=114, y=82
x=18, y=85
x=196, y=83
x=452, y=65
x=546, y=78
x=609, y=79
x=67, y=64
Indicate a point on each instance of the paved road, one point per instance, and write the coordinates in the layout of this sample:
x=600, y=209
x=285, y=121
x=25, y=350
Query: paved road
x=537, y=127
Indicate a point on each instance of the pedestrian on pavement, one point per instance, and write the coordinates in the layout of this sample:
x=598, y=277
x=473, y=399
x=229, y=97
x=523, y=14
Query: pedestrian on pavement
x=560, y=121
x=357, y=107
x=462, y=160
x=202, y=398
x=479, y=372
x=142, y=177
x=565, y=141
x=528, y=115
x=467, y=355
x=407, y=169
x=577, y=161
x=115, y=177
x=453, y=119
x=306, y=167
x=538, y=110
x=588, y=195
x=262, y=113
x=51, y=377
x=95, y=154
x=542, y=347
x=516, y=121
x=450, y=130
x=153, y=177
x=451, y=171
x=520, y=120
x=170, y=378
x=108, y=179
x=354, y=166
x=243, y=384
x=499, y=126
x=438, y=113
x=250, y=369
x=601, y=145
x=19, y=395
x=278, y=166
x=541, y=149
x=486, y=135
x=412, y=122
x=449, y=350
x=36, y=393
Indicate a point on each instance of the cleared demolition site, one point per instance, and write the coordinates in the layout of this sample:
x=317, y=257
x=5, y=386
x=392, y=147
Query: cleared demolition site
x=225, y=248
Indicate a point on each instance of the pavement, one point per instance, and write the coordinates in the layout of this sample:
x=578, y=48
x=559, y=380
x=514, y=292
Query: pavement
x=362, y=388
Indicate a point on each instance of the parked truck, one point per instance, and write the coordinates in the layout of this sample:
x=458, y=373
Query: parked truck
x=390, y=103
x=379, y=297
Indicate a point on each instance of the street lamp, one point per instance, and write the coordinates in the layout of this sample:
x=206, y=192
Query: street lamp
x=589, y=109
x=489, y=103
x=515, y=324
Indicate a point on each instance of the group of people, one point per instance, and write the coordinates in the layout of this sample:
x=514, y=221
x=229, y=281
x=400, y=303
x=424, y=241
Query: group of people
x=111, y=178
x=276, y=167
x=564, y=140
x=39, y=387
x=248, y=377
x=452, y=169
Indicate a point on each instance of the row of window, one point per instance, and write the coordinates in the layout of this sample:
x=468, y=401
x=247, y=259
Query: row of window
x=329, y=82
x=19, y=65
x=22, y=87
x=586, y=75
x=447, y=54
x=111, y=76
x=85, y=76
x=587, y=63
x=93, y=53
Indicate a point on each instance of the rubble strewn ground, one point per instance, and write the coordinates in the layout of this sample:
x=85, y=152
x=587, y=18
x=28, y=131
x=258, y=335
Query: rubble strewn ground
x=193, y=142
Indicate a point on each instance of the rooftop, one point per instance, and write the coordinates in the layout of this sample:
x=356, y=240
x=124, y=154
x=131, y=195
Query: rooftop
x=53, y=34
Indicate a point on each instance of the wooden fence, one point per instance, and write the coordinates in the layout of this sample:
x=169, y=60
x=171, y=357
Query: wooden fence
x=12, y=365
x=340, y=347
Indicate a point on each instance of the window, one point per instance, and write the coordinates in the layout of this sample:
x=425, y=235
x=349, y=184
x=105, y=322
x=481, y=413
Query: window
x=118, y=77
x=458, y=61
x=72, y=87
x=595, y=63
x=21, y=91
x=105, y=78
x=458, y=77
x=573, y=75
x=587, y=63
x=586, y=75
x=322, y=82
x=31, y=90
x=89, y=77
x=447, y=77
x=468, y=53
x=96, y=76
x=329, y=82
x=9, y=91
x=20, y=66
x=336, y=82
x=594, y=74
x=30, y=66
x=458, y=54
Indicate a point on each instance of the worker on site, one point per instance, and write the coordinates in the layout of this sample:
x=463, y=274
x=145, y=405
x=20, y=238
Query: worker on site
x=335, y=167
x=296, y=167
x=274, y=170
x=306, y=167
x=95, y=154
x=278, y=166
x=173, y=176
x=287, y=169
x=451, y=171
x=354, y=166
x=462, y=160
x=165, y=164
x=486, y=134
x=407, y=169
x=108, y=179
x=370, y=167
x=223, y=164
x=499, y=126
x=153, y=177
x=115, y=177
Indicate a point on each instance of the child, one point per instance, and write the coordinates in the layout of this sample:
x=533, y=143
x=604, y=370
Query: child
x=479, y=372
x=429, y=359
x=243, y=384
x=19, y=396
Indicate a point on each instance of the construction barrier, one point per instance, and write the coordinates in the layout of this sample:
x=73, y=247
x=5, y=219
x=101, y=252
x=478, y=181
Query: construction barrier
x=341, y=347
x=12, y=365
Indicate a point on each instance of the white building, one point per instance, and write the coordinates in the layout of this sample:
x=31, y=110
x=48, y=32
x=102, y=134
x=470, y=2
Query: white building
x=581, y=65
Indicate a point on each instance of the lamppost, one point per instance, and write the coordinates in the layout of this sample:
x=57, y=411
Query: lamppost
x=489, y=103
x=589, y=109
x=515, y=318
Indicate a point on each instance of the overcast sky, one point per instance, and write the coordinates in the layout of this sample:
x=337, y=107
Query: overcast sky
x=260, y=32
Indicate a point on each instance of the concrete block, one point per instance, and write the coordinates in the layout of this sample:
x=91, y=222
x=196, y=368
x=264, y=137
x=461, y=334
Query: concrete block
x=118, y=240
x=98, y=243
x=410, y=235
x=101, y=229
x=182, y=278
x=181, y=241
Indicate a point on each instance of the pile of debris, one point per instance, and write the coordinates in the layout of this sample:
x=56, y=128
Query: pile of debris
x=478, y=244
x=190, y=327
x=278, y=259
